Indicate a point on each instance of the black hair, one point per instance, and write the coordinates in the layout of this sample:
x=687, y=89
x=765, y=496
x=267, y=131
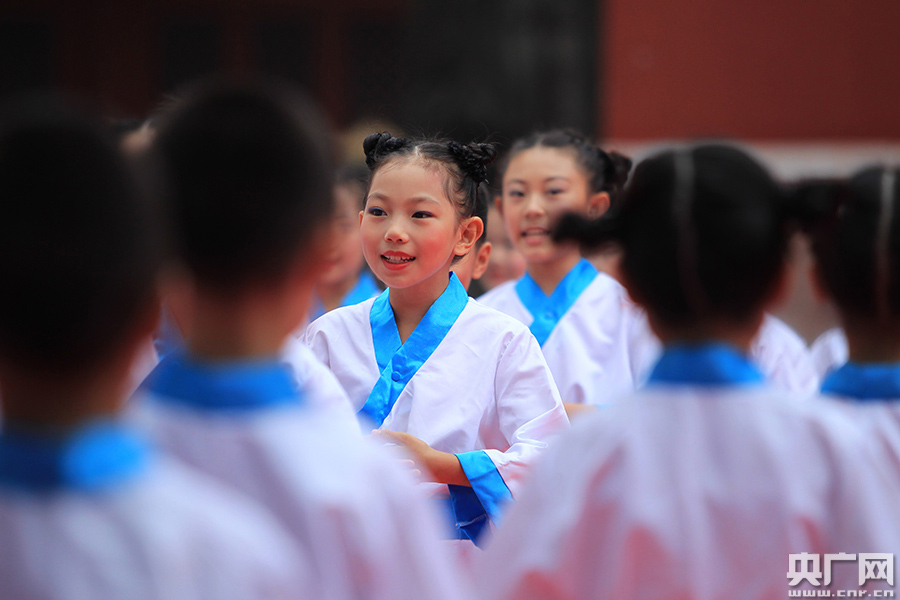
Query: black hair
x=607, y=171
x=482, y=206
x=79, y=243
x=249, y=173
x=704, y=232
x=465, y=165
x=853, y=229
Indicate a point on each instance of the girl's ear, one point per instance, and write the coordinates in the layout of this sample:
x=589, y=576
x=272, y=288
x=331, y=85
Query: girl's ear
x=498, y=203
x=598, y=204
x=471, y=230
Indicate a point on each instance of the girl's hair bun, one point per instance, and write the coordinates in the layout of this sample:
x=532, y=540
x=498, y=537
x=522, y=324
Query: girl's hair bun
x=618, y=169
x=473, y=158
x=814, y=202
x=379, y=144
x=590, y=234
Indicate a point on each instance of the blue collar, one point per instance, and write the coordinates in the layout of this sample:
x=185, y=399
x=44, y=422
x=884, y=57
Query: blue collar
x=863, y=382
x=223, y=386
x=96, y=456
x=713, y=364
x=547, y=311
x=399, y=362
x=365, y=288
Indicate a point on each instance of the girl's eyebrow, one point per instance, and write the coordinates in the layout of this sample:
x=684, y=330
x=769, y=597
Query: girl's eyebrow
x=413, y=200
x=556, y=177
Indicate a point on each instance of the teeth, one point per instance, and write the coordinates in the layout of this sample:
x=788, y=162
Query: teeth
x=396, y=260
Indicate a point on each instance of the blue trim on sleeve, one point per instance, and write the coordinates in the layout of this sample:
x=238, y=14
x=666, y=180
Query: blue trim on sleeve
x=400, y=362
x=488, y=487
x=223, y=386
x=704, y=364
x=864, y=382
x=547, y=311
x=94, y=457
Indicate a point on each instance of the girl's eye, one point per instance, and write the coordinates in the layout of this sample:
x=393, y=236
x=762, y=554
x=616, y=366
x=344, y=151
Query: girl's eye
x=376, y=212
x=421, y=214
x=555, y=192
x=516, y=194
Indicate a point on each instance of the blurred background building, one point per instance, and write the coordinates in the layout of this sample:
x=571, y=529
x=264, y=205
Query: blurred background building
x=810, y=85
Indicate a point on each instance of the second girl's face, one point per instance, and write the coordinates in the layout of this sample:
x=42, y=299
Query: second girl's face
x=410, y=228
x=539, y=186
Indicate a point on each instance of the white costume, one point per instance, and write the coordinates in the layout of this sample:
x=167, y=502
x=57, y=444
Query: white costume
x=829, y=351
x=99, y=516
x=782, y=356
x=699, y=486
x=469, y=380
x=600, y=346
x=871, y=397
x=595, y=339
x=370, y=535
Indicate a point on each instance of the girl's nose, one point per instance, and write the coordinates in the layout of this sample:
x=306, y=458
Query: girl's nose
x=533, y=206
x=395, y=232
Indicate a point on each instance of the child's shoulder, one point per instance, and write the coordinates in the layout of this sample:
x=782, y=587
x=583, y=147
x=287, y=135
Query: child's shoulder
x=344, y=318
x=488, y=319
x=499, y=294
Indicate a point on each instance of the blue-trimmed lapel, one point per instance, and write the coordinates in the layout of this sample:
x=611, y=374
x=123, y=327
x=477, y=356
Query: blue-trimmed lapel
x=548, y=310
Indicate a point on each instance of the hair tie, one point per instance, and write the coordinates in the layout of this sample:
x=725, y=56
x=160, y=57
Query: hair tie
x=882, y=242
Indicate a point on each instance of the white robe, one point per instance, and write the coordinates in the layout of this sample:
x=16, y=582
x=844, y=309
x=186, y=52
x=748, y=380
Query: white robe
x=783, y=357
x=485, y=388
x=829, y=351
x=165, y=533
x=692, y=492
x=601, y=347
x=370, y=535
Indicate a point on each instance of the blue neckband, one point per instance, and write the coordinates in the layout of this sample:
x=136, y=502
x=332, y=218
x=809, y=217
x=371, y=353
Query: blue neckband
x=863, y=382
x=398, y=362
x=712, y=364
x=94, y=457
x=223, y=386
x=548, y=310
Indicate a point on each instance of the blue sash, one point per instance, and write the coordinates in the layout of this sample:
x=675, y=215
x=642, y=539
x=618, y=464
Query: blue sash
x=94, y=457
x=861, y=382
x=223, y=386
x=365, y=288
x=712, y=364
x=400, y=362
x=547, y=311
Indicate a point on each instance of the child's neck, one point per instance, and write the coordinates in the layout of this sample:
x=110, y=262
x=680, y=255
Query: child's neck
x=244, y=327
x=718, y=331
x=52, y=403
x=873, y=342
x=547, y=275
x=332, y=295
x=411, y=304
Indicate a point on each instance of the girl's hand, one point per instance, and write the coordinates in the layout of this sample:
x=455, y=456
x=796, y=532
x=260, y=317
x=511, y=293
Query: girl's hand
x=433, y=465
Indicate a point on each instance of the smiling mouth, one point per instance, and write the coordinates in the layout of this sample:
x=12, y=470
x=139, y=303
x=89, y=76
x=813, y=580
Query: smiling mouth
x=534, y=233
x=396, y=260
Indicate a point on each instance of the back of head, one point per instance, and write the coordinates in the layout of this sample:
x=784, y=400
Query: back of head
x=704, y=232
x=250, y=181
x=78, y=247
x=606, y=171
x=853, y=227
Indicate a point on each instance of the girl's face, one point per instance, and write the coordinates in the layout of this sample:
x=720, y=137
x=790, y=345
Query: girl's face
x=346, y=259
x=539, y=186
x=410, y=228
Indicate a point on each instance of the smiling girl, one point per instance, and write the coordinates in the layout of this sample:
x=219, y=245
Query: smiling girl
x=463, y=387
x=594, y=339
